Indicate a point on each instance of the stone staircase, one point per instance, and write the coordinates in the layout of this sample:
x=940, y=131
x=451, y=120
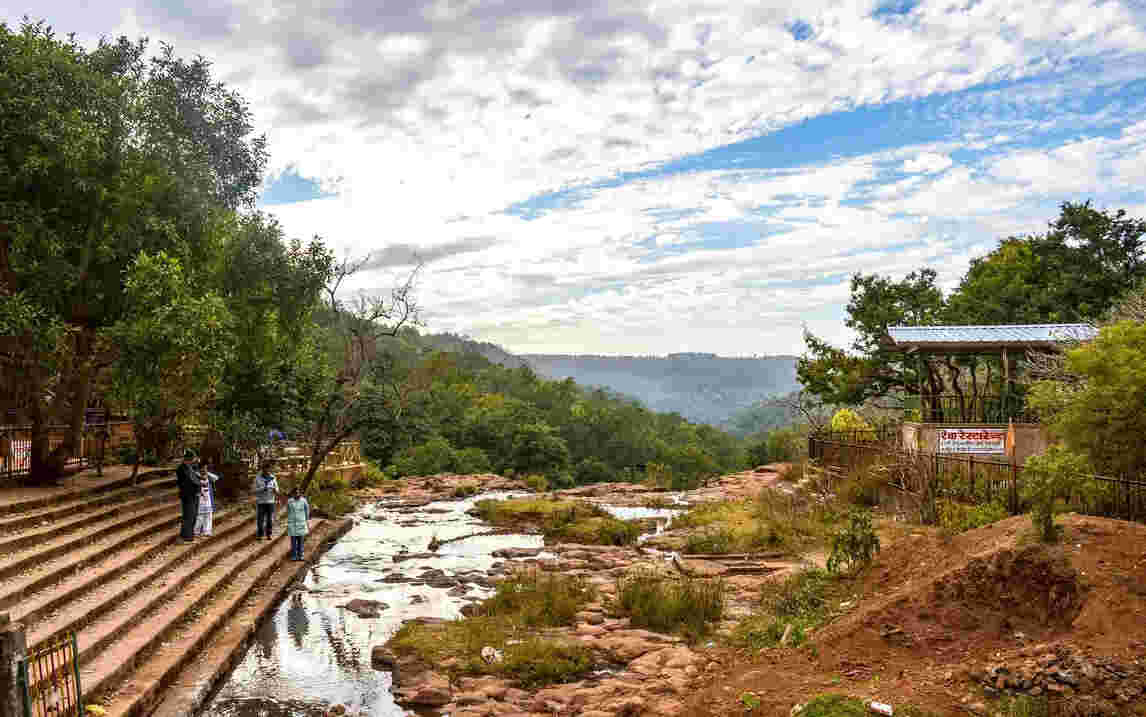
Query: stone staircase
x=109, y=564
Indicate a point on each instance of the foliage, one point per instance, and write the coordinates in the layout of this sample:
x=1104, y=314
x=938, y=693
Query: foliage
x=834, y=706
x=800, y=600
x=569, y=521
x=1049, y=477
x=539, y=599
x=686, y=605
x=538, y=448
x=509, y=621
x=956, y=517
x=846, y=420
x=108, y=155
x=430, y=458
x=536, y=483
x=471, y=460
x=530, y=660
x=786, y=444
x=855, y=545
x=1099, y=417
x=371, y=477
x=593, y=470
x=758, y=454
x=1076, y=271
x=771, y=521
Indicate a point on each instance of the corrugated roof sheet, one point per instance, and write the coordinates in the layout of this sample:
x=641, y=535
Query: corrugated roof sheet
x=1016, y=334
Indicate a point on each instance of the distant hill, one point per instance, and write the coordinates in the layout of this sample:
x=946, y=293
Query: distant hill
x=702, y=387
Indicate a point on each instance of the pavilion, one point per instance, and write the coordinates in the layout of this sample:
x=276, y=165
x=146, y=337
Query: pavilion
x=975, y=403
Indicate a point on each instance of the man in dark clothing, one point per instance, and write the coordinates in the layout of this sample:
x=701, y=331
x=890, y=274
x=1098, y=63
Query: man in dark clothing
x=189, y=486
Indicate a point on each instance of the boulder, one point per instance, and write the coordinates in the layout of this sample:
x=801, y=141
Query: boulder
x=427, y=689
x=366, y=608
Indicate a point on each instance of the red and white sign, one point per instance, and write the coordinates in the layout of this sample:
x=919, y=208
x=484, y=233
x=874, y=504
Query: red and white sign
x=973, y=440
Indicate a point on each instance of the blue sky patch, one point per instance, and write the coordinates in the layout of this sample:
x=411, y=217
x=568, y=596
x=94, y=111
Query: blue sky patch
x=800, y=30
x=290, y=187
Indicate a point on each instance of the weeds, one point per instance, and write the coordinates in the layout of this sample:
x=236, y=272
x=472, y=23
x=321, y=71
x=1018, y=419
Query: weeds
x=465, y=490
x=800, y=601
x=560, y=520
x=536, y=483
x=771, y=521
x=956, y=517
x=855, y=545
x=539, y=600
x=834, y=706
x=1021, y=706
x=688, y=606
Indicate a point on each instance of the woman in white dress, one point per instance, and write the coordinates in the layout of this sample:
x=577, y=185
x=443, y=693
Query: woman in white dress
x=204, y=523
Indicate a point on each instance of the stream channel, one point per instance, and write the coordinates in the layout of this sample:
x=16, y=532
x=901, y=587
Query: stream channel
x=312, y=654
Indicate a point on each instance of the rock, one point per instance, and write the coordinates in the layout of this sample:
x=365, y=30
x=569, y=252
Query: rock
x=417, y=599
x=338, y=710
x=428, y=689
x=517, y=552
x=411, y=556
x=458, y=591
x=384, y=660
x=366, y=608
x=491, y=655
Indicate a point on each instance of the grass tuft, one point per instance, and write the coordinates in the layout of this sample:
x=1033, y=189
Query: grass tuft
x=567, y=521
x=688, y=606
x=769, y=522
x=801, y=601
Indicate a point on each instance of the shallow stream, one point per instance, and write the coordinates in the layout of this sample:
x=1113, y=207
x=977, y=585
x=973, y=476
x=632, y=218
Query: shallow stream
x=313, y=654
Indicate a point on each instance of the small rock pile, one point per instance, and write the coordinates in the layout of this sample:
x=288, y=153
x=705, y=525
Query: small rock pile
x=1064, y=670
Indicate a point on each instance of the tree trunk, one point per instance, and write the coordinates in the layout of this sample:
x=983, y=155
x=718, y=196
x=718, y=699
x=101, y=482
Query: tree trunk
x=54, y=465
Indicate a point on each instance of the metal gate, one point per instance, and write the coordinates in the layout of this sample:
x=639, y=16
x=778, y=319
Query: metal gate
x=50, y=679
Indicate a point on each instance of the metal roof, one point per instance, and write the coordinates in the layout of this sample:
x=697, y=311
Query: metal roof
x=985, y=336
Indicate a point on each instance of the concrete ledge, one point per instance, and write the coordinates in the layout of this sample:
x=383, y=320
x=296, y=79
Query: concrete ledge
x=197, y=683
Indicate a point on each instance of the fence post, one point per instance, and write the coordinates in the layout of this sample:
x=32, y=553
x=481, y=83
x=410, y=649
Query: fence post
x=1014, y=489
x=13, y=651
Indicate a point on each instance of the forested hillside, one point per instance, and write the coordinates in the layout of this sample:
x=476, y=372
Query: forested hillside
x=701, y=387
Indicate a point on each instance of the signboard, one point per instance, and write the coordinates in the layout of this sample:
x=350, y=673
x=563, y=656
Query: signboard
x=973, y=440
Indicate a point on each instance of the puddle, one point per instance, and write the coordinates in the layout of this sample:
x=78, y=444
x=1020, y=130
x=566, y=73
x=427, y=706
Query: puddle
x=312, y=654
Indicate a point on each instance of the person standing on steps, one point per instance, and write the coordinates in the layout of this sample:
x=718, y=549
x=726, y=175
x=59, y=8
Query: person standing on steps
x=298, y=522
x=187, y=478
x=204, y=523
x=266, y=492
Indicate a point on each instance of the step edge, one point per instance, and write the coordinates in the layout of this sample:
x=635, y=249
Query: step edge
x=48, y=501
x=74, y=523
x=148, y=700
x=75, y=507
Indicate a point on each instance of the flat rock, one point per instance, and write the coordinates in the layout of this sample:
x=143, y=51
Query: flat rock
x=365, y=608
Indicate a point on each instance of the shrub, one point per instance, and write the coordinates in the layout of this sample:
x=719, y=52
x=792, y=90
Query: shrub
x=956, y=517
x=465, y=490
x=757, y=452
x=536, y=483
x=785, y=444
x=592, y=470
x=846, y=420
x=800, y=601
x=539, y=662
x=538, y=448
x=434, y=456
x=127, y=453
x=1049, y=477
x=539, y=599
x=329, y=495
x=687, y=605
x=855, y=545
x=472, y=460
x=370, y=477
x=834, y=706
x=560, y=520
x=862, y=486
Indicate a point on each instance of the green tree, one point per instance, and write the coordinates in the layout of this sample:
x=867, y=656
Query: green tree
x=1098, y=412
x=1074, y=272
x=103, y=155
x=538, y=449
x=873, y=368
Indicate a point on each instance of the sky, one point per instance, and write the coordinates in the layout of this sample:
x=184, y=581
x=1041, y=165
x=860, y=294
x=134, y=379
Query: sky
x=628, y=177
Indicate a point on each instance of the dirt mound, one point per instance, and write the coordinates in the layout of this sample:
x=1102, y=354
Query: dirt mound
x=930, y=607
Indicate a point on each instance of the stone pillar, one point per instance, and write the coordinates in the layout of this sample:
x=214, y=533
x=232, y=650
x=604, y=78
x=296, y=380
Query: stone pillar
x=13, y=648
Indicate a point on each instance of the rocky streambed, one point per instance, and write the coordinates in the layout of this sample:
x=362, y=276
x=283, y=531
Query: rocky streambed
x=324, y=650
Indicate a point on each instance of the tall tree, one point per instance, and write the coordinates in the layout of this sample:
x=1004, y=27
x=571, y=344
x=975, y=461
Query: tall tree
x=104, y=155
x=1074, y=272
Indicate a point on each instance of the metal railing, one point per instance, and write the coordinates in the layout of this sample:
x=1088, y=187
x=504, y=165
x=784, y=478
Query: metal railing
x=16, y=446
x=973, y=479
x=49, y=679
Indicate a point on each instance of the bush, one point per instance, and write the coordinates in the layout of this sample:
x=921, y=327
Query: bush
x=536, y=483
x=432, y=457
x=370, y=477
x=1046, y=479
x=846, y=420
x=688, y=606
x=862, y=486
x=538, y=448
x=538, y=599
x=472, y=460
x=329, y=494
x=757, y=452
x=785, y=444
x=465, y=490
x=855, y=545
x=592, y=470
x=127, y=453
x=801, y=601
x=956, y=517
x=560, y=520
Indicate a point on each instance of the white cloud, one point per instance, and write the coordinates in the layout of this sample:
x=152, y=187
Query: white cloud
x=927, y=163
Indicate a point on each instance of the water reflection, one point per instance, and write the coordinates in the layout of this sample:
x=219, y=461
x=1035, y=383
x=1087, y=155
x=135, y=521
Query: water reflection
x=313, y=654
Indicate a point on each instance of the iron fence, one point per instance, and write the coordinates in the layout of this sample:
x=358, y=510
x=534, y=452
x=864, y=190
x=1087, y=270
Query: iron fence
x=49, y=679
x=16, y=446
x=967, y=408
x=973, y=479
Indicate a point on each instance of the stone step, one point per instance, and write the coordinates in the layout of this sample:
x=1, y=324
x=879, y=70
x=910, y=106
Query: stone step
x=41, y=516
x=200, y=607
x=141, y=591
x=14, y=562
x=65, y=496
x=41, y=534
x=180, y=675
x=75, y=596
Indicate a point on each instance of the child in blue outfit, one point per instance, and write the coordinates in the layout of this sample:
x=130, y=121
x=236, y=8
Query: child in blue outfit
x=298, y=522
